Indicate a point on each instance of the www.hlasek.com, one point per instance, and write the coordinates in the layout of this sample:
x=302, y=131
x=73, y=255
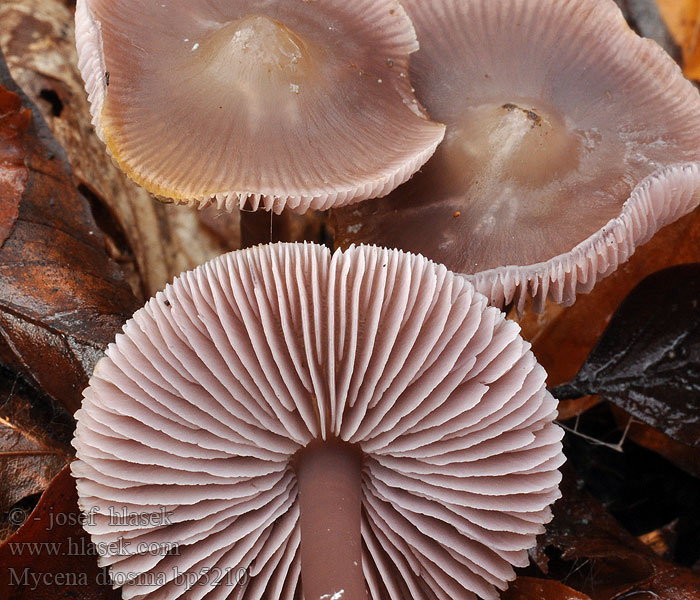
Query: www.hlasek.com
x=206, y=576
x=80, y=546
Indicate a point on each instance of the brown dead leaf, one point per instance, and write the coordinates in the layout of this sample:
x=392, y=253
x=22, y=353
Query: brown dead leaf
x=51, y=557
x=14, y=121
x=151, y=241
x=34, y=446
x=61, y=299
x=589, y=551
x=530, y=588
x=682, y=17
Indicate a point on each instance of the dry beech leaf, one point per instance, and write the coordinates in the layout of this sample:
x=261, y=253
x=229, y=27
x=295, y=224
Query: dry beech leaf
x=682, y=17
x=50, y=557
x=599, y=558
x=152, y=241
x=530, y=588
x=61, y=298
x=647, y=359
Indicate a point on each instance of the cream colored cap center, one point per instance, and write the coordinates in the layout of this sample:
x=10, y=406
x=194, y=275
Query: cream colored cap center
x=509, y=142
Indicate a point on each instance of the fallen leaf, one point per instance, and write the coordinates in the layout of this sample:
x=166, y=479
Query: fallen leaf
x=51, y=557
x=14, y=121
x=531, y=588
x=588, y=550
x=682, y=17
x=151, y=241
x=34, y=446
x=647, y=360
x=61, y=299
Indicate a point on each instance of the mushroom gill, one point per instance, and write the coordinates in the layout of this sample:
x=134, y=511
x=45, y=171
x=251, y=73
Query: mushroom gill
x=356, y=425
x=570, y=140
x=256, y=102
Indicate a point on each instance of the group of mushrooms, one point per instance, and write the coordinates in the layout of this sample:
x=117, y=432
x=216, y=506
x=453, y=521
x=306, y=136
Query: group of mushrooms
x=364, y=423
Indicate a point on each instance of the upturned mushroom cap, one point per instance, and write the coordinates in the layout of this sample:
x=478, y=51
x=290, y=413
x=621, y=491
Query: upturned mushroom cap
x=304, y=103
x=230, y=396
x=570, y=141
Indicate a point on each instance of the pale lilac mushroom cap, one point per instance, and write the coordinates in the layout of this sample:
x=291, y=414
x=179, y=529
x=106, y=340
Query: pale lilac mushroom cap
x=570, y=141
x=356, y=425
x=272, y=103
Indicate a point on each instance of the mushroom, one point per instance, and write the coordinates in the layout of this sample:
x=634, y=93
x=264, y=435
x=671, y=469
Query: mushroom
x=358, y=425
x=298, y=103
x=570, y=141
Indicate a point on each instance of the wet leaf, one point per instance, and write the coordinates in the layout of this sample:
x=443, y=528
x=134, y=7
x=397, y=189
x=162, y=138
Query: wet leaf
x=61, y=298
x=151, y=241
x=50, y=557
x=34, y=446
x=682, y=17
x=586, y=548
x=648, y=359
x=530, y=588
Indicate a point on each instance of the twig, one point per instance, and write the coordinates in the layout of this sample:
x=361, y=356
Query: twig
x=617, y=447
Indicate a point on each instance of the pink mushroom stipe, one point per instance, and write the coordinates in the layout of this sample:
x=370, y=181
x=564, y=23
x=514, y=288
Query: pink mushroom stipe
x=570, y=141
x=351, y=425
x=271, y=103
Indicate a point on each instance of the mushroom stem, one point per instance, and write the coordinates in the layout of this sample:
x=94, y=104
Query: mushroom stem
x=329, y=474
